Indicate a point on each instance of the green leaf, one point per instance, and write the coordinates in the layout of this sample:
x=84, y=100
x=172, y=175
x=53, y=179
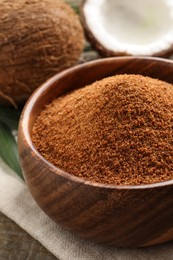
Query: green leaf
x=10, y=117
x=75, y=8
x=88, y=48
x=8, y=149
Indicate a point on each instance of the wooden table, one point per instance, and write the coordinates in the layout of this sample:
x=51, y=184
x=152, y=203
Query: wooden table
x=16, y=244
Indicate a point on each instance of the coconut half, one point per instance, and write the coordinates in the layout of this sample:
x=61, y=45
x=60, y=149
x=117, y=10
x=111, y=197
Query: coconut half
x=123, y=27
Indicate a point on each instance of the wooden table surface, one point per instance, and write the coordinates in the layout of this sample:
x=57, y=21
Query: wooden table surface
x=15, y=243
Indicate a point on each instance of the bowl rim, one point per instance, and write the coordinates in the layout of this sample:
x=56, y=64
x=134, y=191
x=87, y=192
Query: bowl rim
x=35, y=97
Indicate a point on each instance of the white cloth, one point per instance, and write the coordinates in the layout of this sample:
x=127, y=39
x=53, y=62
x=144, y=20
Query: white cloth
x=17, y=204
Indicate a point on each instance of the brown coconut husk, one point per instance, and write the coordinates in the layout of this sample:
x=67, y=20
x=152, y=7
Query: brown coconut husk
x=37, y=40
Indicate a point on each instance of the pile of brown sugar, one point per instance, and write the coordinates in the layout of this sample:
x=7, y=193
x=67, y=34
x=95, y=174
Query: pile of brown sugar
x=118, y=130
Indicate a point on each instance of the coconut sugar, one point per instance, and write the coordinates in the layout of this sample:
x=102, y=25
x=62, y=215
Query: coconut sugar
x=118, y=130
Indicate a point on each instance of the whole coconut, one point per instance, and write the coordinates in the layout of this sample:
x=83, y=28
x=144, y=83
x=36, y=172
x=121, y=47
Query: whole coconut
x=37, y=40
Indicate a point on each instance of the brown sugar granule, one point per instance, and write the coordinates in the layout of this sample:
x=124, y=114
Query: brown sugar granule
x=118, y=130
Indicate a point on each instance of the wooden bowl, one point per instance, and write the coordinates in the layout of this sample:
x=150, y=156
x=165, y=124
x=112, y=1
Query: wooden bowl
x=132, y=216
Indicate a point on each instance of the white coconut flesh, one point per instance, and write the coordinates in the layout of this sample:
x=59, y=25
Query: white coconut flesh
x=137, y=27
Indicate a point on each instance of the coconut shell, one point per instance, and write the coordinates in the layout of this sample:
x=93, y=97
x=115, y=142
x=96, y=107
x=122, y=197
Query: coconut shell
x=37, y=40
x=101, y=49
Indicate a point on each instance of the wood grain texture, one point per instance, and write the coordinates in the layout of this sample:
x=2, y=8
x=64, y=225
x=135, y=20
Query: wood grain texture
x=16, y=244
x=133, y=216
